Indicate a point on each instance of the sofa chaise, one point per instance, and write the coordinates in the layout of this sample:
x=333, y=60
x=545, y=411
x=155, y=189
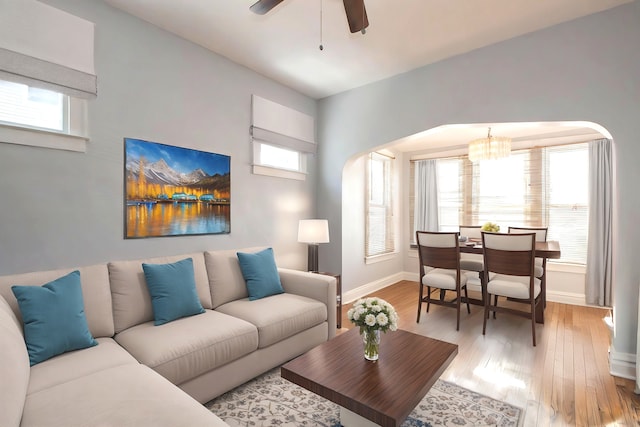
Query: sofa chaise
x=137, y=372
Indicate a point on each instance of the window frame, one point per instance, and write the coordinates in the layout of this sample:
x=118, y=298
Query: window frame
x=71, y=137
x=388, y=246
x=262, y=168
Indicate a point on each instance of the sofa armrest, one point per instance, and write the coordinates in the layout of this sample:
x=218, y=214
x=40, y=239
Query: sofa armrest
x=315, y=286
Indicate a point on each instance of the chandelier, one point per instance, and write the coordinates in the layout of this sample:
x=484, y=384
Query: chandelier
x=489, y=148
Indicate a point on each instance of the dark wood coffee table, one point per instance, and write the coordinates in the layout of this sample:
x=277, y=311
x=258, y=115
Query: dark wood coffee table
x=372, y=393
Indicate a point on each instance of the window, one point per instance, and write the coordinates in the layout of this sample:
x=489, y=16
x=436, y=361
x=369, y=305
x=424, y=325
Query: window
x=40, y=117
x=279, y=157
x=33, y=107
x=379, y=236
x=568, y=200
x=279, y=161
x=535, y=187
x=48, y=56
x=282, y=139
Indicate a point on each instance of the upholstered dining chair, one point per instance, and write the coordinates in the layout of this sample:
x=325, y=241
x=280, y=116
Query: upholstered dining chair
x=472, y=264
x=511, y=260
x=541, y=263
x=439, y=256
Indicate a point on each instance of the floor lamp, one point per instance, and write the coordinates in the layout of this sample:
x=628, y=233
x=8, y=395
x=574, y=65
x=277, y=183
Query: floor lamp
x=313, y=232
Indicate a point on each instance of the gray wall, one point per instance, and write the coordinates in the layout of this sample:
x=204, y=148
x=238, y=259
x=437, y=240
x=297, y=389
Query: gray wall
x=587, y=69
x=62, y=209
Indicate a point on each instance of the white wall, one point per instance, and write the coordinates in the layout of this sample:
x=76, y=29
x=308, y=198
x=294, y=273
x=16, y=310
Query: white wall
x=360, y=275
x=62, y=209
x=586, y=69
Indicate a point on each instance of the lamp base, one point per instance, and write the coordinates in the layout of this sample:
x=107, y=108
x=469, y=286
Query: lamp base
x=312, y=258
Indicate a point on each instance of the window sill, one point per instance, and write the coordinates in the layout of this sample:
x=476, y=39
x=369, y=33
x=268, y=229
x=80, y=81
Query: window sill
x=566, y=267
x=42, y=138
x=380, y=258
x=280, y=173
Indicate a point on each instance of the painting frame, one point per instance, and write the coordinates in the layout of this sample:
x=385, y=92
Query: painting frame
x=172, y=191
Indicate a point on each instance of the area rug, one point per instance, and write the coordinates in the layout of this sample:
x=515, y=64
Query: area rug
x=270, y=400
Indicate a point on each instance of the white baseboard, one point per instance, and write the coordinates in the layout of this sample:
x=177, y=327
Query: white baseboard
x=622, y=364
x=368, y=288
x=410, y=276
x=566, y=297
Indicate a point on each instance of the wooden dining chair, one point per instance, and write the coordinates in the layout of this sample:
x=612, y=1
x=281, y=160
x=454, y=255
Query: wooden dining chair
x=473, y=264
x=511, y=258
x=439, y=256
x=541, y=263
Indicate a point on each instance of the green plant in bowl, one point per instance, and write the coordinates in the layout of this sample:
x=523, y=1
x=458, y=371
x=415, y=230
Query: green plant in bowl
x=491, y=227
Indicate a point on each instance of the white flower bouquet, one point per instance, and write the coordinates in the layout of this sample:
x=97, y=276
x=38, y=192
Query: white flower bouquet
x=373, y=314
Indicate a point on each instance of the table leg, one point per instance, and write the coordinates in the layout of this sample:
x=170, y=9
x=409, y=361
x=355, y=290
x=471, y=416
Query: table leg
x=351, y=419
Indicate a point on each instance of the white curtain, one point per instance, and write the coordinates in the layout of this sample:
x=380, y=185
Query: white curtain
x=426, y=191
x=48, y=48
x=282, y=126
x=599, y=259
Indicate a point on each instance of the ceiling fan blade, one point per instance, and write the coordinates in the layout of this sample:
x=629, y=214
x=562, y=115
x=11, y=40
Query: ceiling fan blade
x=263, y=6
x=356, y=15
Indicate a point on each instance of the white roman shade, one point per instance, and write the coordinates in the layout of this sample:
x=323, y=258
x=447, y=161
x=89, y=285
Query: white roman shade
x=45, y=47
x=282, y=126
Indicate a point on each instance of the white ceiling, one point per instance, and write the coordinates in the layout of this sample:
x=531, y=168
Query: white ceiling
x=402, y=35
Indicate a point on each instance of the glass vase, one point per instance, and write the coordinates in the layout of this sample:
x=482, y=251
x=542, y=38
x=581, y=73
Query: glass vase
x=371, y=340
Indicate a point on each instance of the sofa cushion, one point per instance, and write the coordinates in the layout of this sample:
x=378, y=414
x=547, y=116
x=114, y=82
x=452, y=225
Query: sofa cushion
x=131, y=298
x=14, y=367
x=75, y=364
x=123, y=396
x=225, y=277
x=188, y=347
x=53, y=317
x=279, y=316
x=95, y=292
x=260, y=273
x=173, y=290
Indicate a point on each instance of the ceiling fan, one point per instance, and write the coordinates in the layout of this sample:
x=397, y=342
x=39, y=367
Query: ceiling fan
x=356, y=13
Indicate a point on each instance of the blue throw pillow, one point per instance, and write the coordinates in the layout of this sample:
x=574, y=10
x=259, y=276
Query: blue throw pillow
x=173, y=290
x=53, y=317
x=260, y=273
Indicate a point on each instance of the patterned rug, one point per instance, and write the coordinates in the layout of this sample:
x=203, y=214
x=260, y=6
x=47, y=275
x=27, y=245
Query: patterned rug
x=270, y=400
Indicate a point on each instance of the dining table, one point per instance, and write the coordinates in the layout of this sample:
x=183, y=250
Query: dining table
x=546, y=250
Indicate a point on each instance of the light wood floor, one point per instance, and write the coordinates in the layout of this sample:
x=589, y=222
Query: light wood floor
x=563, y=381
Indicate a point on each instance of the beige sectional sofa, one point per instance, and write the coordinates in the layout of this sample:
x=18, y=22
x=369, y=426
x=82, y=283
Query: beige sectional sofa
x=140, y=374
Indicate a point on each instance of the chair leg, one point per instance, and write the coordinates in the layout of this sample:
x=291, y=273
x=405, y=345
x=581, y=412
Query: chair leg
x=428, y=298
x=420, y=302
x=533, y=320
x=495, y=302
x=458, y=310
x=486, y=313
x=466, y=295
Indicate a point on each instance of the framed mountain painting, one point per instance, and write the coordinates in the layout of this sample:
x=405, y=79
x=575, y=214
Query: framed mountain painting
x=175, y=191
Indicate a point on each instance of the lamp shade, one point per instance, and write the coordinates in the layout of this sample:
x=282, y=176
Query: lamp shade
x=313, y=231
